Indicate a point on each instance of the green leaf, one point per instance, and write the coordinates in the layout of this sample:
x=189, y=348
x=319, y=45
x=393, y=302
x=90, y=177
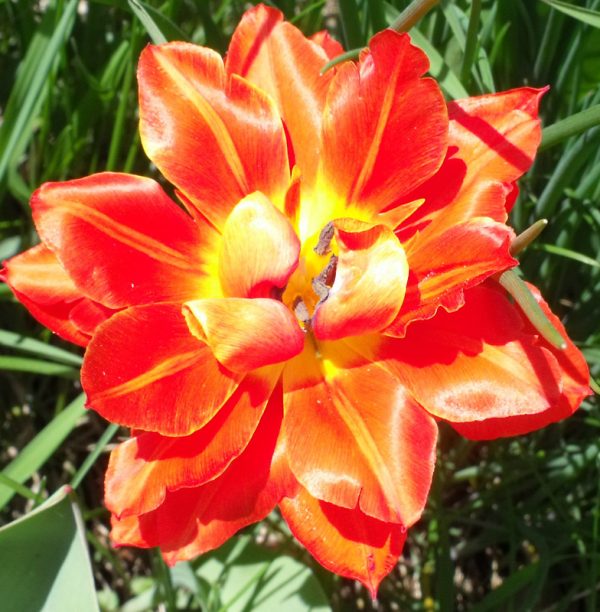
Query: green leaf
x=570, y=126
x=36, y=366
x=582, y=14
x=159, y=28
x=253, y=578
x=568, y=253
x=37, y=452
x=509, y=588
x=41, y=349
x=44, y=560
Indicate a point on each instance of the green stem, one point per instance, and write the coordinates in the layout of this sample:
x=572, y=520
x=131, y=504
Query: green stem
x=411, y=14
x=575, y=124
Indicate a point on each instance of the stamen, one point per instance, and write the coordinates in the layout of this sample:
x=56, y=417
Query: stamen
x=324, y=245
x=301, y=311
x=322, y=284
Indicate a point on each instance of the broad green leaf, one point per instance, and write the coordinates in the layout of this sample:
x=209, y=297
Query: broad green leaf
x=253, y=578
x=37, y=452
x=41, y=349
x=578, y=12
x=44, y=560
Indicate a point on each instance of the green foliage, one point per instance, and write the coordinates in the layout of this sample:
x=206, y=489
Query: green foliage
x=511, y=524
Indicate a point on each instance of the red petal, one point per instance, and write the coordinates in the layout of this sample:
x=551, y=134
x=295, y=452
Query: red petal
x=40, y=283
x=385, y=129
x=280, y=60
x=492, y=142
x=442, y=268
x=144, y=369
x=121, y=239
x=574, y=387
x=193, y=521
x=245, y=334
x=370, y=282
x=347, y=542
x=144, y=468
x=259, y=250
x=477, y=363
x=331, y=46
x=217, y=138
x=355, y=437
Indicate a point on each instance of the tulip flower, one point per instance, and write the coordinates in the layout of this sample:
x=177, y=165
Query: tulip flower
x=324, y=294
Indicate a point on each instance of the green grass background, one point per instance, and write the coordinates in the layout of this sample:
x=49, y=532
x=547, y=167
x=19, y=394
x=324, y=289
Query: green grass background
x=510, y=525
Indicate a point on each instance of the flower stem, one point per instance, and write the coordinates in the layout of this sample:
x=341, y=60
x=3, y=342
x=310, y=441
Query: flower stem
x=411, y=14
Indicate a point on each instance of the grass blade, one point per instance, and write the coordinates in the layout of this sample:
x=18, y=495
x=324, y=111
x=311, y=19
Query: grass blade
x=584, y=15
x=570, y=126
x=41, y=349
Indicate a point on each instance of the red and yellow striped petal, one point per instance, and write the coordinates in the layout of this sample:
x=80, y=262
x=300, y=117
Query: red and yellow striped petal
x=142, y=470
x=354, y=436
x=144, y=369
x=370, y=282
x=345, y=541
x=194, y=520
x=259, y=250
x=216, y=137
x=477, y=363
x=573, y=385
x=41, y=284
x=385, y=129
x=245, y=334
x=281, y=61
x=121, y=239
x=442, y=268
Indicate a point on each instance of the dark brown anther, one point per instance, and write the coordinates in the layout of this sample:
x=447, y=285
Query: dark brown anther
x=324, y=245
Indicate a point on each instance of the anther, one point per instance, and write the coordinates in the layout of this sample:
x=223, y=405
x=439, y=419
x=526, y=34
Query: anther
x=324, y=245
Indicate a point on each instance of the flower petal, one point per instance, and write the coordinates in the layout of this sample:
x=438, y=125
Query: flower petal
x=144, y=468
x=370, y=281
x=477, y=363
x=121, y=239
x=280, y=60
x=574, y=387
x=194, y=520
x=330, y=45
x=245, y=334
x=144, y=369
x=355, y=437
x=345, y=541
x=216, y=138
x=259, y=250
x=442, y=268
x=40, y=283
x=385, y=128
x=492, y=142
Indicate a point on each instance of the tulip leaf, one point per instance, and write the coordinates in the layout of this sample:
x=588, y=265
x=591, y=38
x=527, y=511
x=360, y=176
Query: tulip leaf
x=253, y=578
x=37, y=452
x=37, y=366
x=570, y=126
x=44, y=559
x=159, y=28
x=41, y=349
x=578, y=12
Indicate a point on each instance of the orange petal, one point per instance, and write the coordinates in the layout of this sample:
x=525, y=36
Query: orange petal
x=574, y=387
x=280, y=60
x=442, y=268
x=259, y=250
x=245, y=334
x=144, y=468
x=345, y=541
x=40, y=283
x=144, y=369
x=477, y=363
x=492, y=142
x=385, y=129
x=121, y=239
x=355, y=437
x=194, y=520
x=369, y=285
x=331, y=46
x=216, y=138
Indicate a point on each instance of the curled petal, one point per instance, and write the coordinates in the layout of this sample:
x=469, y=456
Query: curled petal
x=355, y=437
x=194, y=520
x=41, y=284
x=574, y=387
x=144, y=468
x=345, y=541
x=144, y=369
x=369, y=285
x=245, y=334
x=121, y=239
x=280, y=60
x=259, y=250
x=331, y=46
x=477, y=363
x=216, y=137
x=441, y=269
x=385, y=129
